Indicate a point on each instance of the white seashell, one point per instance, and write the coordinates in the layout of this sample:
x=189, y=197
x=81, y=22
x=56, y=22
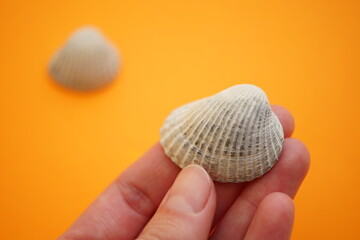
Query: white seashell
x=87, y=61
x=234, y=134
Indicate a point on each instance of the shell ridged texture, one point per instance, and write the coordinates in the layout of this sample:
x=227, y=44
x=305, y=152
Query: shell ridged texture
x=87, y=61
x=234, y=134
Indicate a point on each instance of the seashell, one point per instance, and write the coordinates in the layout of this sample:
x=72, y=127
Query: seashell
x=234, y=134
x=87, y=61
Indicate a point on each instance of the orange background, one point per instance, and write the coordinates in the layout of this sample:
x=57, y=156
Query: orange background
x=59, y=149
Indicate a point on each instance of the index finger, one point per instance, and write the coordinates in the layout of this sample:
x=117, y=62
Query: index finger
x=125, y=207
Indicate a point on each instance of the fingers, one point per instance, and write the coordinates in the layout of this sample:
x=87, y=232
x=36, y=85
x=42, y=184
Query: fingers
x=286, y=119
x=286, y=177
x=187, y=210
x=273, y=219
x=126, y=205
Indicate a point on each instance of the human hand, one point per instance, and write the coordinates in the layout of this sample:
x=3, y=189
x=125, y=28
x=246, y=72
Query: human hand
x=144, y=202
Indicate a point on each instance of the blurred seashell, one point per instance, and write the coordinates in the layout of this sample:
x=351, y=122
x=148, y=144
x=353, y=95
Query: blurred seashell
x=234, y=134
x=87, y=61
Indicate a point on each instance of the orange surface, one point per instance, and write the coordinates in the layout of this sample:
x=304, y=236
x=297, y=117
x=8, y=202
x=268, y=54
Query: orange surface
x=59, y=149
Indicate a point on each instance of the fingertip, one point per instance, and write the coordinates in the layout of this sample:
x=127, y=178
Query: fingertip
x=281, y=203
x=187, y=210
x=297, y=150
x=200, y=170
x=190, y=192
x=286, y=119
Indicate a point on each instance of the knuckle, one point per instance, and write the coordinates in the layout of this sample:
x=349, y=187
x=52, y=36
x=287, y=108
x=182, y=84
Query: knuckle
x=137, y=199
x=302, y=155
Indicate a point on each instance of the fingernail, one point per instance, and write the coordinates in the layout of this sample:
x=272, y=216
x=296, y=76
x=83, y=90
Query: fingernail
x=190, y=191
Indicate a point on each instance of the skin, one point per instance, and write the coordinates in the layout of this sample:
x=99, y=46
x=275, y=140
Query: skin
x=155, y=199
